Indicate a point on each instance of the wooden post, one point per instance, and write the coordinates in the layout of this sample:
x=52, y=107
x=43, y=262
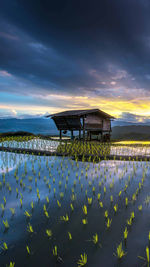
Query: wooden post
x=83, y=130
x=90, y=136
x=79, y=134
x=71, y=134
x=60, y=135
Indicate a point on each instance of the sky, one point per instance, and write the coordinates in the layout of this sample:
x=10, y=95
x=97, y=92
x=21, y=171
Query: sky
x=75, y=54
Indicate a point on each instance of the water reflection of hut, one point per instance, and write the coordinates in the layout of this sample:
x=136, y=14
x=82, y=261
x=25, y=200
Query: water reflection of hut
x=89, y=122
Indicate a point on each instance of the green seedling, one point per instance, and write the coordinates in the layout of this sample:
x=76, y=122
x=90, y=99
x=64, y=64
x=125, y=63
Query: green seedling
x=3, y=208
x=28, y=250
x=125, y=234
x=47, y=200
x=82, y=261
x=59, y=204
x=108, y=223
x=147, y=259
x=106, y=214
x=12, y=211
x=4, y=198
x=111, y=198
x=5, y=247
x=55, y=253
x=120, y=252
x=11, y=264
x=115, y=208
x=49, y=233
x=71, y=206
x=84, y=208
x=85, y=221
x=46, y=214
x=64, y=218
x=70, y=236
x=27, y=214
x=89, y=200
x=21, y=202
x=140, y=207
x=98, y=196
x=32, y=205
x=6, y=224
x=101, y=204
x=126, y=201
x=30, y=228
x=95, y=239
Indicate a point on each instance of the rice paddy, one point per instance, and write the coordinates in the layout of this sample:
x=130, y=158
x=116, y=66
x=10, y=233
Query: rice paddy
x=65, y=211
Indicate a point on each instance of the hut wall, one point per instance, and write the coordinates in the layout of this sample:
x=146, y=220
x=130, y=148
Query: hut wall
x=93, y=121
x=106, y=125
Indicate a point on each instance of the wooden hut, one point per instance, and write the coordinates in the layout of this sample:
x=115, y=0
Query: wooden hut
x=89, y=122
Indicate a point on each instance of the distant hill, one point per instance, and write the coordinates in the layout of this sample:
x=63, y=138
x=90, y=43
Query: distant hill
x=131, y=132
x=36, y=126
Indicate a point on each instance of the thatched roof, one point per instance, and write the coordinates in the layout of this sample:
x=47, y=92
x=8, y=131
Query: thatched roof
x=80, y=113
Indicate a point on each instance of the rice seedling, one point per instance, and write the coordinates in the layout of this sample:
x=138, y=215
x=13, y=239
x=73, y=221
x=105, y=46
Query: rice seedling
x=11, y=264
x=115, y=207
x=85, y=221
x=27, y=214
x=104, y=189
x=59, y=204
x=111, y=199
x=46, y=214
x=71, y=206
x=84, y=208
x=108, y=223
x=4, y=247
x=6, y=224
x=120, y=252
x=106, y=214
x=55, y=252
x=3, y=208
x=49, y=233
x=98, y=196
x=4, y=198
x=125, y=233
x=21, y=202
x=89, y=200
x=95, y=239
x=12, y=211
x=126, y=201
x=47, y=200
x=140, y=207
x=83, y=260
x=30, y=228
x=28, y=250
x=147, y=259
x=101, y=204
x=70, y=236
x=64, y=218
x=32, y=205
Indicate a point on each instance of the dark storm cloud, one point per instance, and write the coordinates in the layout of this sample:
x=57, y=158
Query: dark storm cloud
x=76, y=46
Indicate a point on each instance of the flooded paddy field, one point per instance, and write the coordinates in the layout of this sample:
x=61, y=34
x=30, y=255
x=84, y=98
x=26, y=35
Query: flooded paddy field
x=56, y=211
x=124, y=148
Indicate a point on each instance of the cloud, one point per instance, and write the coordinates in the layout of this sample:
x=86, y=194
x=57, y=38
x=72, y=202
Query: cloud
x=55, y=51
x=5, y=73
x=133, y=118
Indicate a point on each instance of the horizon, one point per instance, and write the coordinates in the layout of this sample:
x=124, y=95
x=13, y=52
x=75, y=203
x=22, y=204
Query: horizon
x=75, y=55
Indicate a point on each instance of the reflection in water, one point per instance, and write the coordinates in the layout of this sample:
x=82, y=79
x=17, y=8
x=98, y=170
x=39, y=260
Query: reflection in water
x=125, y=148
